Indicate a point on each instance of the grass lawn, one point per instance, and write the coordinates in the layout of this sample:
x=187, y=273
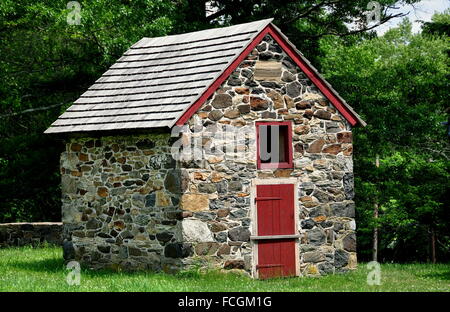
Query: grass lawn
x=42, y=269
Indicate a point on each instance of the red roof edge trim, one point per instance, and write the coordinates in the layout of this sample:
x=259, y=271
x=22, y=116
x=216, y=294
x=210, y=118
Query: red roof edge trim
x=294, y=55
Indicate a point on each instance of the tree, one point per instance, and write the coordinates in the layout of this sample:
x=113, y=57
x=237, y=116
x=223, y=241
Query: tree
x=399, y=84
x=46, y=64
x=304, y=22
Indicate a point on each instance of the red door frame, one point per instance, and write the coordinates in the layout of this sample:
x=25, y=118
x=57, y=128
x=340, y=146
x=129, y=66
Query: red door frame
x=254, y=216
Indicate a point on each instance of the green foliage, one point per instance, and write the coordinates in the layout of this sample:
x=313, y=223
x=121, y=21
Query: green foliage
x=439, y=25
x=399, y=84
x=47, y=62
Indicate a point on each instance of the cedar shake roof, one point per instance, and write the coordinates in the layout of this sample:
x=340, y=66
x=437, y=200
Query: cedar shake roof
x=162, y=81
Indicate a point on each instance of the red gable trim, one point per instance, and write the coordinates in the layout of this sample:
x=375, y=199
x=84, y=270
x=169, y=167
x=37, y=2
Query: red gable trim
x=304, y=66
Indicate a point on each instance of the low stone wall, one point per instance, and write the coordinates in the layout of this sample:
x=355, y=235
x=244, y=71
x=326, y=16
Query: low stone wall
x=21, y=234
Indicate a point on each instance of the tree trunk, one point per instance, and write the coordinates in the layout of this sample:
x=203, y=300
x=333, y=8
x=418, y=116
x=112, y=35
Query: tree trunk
x=375, y=234
x=375, y=215
x=433, y=246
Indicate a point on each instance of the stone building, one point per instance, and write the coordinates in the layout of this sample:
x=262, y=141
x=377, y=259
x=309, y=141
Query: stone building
x=219, y=148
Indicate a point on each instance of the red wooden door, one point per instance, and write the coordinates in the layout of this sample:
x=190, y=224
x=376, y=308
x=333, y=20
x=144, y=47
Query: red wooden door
x=275, y=216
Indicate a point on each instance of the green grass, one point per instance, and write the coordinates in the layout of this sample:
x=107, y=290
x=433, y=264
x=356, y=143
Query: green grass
x=42, y=269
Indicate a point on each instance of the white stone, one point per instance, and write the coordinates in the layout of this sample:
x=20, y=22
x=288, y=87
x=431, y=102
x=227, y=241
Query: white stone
x=352, y=225
x=195, y=231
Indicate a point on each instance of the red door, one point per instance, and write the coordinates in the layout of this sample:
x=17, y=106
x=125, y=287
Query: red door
x=275, y=219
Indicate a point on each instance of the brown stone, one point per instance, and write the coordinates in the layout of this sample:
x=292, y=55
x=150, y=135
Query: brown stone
x=348, y=150
x=264, y=175
x=234, y=264
x=282, y=173
x=186, y=214
x=115, y=148
x=203, y=115
x=244, y=109
x=200, y=176
x=206, y=249
x=303, y=129
x=215, y=115
x=306, y=199
x=224, y=250
x=238, y=123
x=292, y=116
x=276, y=98
x=83, y=157
x=194, y=202
x=349, y=242
x=216, y=177
x=162, y=200
x=223, y=212
x=310, y=204
x=316, y=146
x=268, y=115
x=215, y=159
x=119, y=225
x=320, y=218
x=344, y=137
x=102, y=191
x=322, y=114
x=308, y=114
x=258, y=104
x=217, y=227
x=75, y=147
x=298, y=148
x=222, y=100
x=332, y=149
x=76, y=173
x=289, y=101
x=232, y=113
x=303, y=105
x=242, y=90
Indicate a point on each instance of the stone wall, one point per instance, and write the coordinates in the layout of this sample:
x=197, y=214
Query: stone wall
x=34, y=233
x=220, y=183
x=128, y=204
x=120, y=202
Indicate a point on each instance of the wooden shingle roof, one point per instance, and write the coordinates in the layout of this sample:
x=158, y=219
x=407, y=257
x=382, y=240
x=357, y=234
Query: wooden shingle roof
x=160, y=82
x=157, y=80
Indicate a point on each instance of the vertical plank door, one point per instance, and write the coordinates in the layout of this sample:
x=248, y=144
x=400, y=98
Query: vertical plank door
x=276, y=216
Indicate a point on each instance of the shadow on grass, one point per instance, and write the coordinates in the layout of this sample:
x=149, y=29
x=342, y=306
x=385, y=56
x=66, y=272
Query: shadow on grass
x=57, y=265
x=41, y=265
x=444, y=276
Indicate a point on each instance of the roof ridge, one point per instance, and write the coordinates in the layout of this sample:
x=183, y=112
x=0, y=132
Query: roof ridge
x=266, y=20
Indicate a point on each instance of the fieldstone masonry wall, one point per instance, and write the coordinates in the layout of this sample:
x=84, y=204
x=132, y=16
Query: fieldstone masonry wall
x=30, y=233
x=221, y=183
x=120, y=202
x=128, y=204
